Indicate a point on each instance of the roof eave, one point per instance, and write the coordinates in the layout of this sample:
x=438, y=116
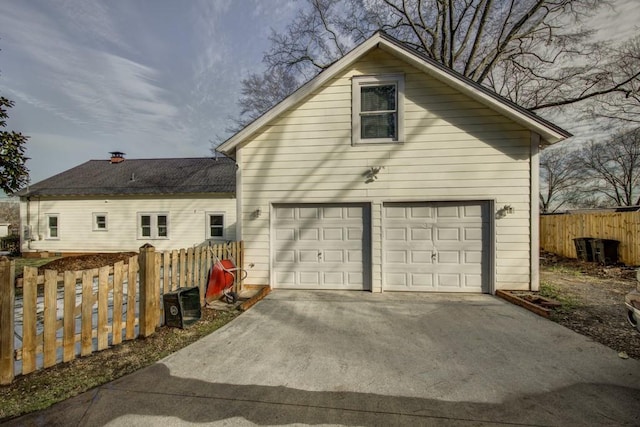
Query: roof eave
x=549, y=132
x=230, y=145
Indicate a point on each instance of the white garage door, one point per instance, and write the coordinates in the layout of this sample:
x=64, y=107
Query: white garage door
x=439, y=247
x=319, y=246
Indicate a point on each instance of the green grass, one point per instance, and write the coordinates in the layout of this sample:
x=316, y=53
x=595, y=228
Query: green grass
x=43, y=388
x=554, y=292
x=564, y=269
x=30, y=262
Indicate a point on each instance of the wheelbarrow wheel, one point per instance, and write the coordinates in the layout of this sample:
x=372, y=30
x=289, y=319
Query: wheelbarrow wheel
x=231, y=297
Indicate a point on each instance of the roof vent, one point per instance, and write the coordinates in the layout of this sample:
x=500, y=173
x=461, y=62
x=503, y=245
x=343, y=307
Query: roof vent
x=117, y=156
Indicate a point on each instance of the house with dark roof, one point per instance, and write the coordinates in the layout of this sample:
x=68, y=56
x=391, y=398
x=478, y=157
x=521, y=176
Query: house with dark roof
x=119, y=204
x=391, y=172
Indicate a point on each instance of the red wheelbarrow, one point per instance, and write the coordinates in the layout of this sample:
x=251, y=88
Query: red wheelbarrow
x=222, y=278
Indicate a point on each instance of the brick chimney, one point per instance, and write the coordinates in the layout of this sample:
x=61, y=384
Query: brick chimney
x=117, y=157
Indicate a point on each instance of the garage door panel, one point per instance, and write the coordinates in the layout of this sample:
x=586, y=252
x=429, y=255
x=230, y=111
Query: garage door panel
x=355, y=213
x=354, y=234
x=422, y=280
x=449, y=280
x=308, y=256
x=308, y=213
x=421, y=257
x=286, y=256
x=454, y=257
x=448, y=257
x=421, y=233
x=318, y=247
x=473, y=234
x=422, y=212
x=397, y=256
x=309, y=278
x=354, y=256
x=472, y=257
x=332, y=234
x=333, y=256
x=286, y=234
x=286, y=277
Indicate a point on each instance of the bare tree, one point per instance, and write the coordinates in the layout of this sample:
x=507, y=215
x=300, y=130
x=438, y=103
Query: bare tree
x=559, y=177
x=526, y=50
x=261, y=92
x=612, y=168
x=622, y=105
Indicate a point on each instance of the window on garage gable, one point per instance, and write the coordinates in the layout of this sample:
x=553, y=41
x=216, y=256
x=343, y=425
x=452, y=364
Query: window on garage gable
x=378, y=112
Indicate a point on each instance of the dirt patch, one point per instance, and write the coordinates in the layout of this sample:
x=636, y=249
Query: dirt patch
x=593, y=300
x=86, y=262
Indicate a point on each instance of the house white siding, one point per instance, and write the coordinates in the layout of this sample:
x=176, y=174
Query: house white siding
x=187, y=216
x=455, y=149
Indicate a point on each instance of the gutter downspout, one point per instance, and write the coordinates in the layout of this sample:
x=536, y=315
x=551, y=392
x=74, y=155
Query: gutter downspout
x=534, y=165
x=239, y=214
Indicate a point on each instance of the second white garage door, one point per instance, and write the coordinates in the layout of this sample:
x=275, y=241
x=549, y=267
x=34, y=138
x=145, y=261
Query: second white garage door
x=437, y=246
x=320, y=246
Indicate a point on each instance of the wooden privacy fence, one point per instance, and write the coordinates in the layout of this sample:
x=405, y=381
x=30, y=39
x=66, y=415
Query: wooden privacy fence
x=558, y=231
x=63, y=315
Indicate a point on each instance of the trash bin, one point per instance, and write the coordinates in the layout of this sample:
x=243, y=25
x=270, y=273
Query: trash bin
x=605, y=251
x=583, y=248
x=182, y=307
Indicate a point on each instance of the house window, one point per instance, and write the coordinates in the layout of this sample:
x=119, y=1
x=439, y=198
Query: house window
x=99, y=222
x=215, y=226
x=153, y=225
x=378, y=109
x=53, y=230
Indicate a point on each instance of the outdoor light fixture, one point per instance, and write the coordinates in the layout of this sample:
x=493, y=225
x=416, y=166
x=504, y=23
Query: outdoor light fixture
x=257, y=213
x=372, y=174
x=508, y=209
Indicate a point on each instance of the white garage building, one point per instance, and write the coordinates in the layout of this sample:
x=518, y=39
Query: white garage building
x=390, y=172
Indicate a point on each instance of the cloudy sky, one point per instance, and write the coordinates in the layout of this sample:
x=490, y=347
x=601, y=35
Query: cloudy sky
x=151, y=78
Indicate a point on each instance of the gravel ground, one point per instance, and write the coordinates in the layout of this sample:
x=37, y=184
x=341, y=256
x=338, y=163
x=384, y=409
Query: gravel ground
x=595, y=296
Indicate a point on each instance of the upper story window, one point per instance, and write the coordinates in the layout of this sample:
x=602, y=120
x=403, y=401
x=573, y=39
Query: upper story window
x=53, y=230
x=215, y=226
x=99, y=222
x=153, y=225
x=378, y=109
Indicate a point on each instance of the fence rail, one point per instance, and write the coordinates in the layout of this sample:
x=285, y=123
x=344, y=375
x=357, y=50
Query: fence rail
x=558, y=231
x=63, y=315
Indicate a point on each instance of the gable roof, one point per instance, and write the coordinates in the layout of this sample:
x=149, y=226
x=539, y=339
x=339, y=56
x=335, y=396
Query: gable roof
x=549, y=132
x=140, y=176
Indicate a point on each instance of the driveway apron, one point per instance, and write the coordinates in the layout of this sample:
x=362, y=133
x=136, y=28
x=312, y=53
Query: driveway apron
x=356, y=358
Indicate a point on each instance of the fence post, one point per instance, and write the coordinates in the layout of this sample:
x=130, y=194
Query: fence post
x=149, y=291
x=7, y=301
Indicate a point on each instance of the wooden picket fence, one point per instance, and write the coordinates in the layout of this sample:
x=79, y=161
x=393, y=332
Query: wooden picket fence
x=75, y=313
x=558, y=231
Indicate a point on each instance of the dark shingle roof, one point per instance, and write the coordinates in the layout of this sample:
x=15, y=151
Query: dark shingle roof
x=140, y=176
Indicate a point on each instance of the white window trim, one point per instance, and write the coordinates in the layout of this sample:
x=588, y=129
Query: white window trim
x=154, y=225
x=52, y=215
x=360, y=81
x=208, y=226
x=95, y=221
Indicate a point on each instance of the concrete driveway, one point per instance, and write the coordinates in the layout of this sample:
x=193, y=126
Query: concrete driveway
x=354, y=358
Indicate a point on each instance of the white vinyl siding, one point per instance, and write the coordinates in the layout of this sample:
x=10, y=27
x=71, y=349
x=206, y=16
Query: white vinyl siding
x=187, y=215
x=454, y=149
